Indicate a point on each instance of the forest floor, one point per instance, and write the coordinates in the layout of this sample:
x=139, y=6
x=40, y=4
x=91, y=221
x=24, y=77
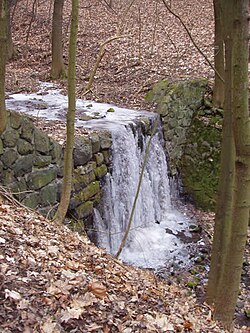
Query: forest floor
x=52, y=279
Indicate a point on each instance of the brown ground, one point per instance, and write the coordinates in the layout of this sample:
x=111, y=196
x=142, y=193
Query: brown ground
x=154, y=46
x=52, y=280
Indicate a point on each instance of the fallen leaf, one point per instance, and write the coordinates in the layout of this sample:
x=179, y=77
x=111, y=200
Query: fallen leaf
x=12, y=294
x=98, y=289
x=71, y=313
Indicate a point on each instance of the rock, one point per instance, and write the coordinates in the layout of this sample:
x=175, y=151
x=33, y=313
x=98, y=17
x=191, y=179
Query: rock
x=19, y=189
x=41, y=141
x=101, y=171
x=1, y=146
x=85, y=194
x=56, y=152
x=99, y=158
x=23, y=165
x=31, y=200
x=82, y=151
x=15, y=120
x=84, y=210
x=10, y=137
x=9, y=156
x=48, y=195
x=96, y=145
x=105, y=139
x=24, y=147
x=39, y=179
x=27, y=129
x=41, y=161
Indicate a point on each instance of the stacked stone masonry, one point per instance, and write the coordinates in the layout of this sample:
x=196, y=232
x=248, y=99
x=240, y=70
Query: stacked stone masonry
x=31, y=167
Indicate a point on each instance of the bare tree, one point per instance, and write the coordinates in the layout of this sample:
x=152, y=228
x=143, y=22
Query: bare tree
x=68, y=154
x=3, y=56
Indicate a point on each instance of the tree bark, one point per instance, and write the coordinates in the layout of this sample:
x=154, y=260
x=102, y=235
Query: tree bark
x=57, y=66
x=218, y=89
x=68, y=154
x=223, y=285
x=3, y=56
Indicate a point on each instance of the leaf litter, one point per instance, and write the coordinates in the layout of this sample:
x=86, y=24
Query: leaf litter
x=55, y=280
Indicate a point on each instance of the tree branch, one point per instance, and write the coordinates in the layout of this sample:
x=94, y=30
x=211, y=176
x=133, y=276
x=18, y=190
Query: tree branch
x=192, y=40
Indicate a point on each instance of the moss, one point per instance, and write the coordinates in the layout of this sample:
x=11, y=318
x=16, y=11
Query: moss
x=88, y=192
x=200, y=161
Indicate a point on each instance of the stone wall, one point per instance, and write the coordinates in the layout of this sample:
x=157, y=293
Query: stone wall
x=192, y=132
x=31, y=167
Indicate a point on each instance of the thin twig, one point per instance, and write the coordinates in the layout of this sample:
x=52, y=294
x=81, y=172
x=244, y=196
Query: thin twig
x=98, y=60
x=192, y=40
x=138, y=189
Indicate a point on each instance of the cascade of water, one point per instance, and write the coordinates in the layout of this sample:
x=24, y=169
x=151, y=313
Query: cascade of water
x=148, y=244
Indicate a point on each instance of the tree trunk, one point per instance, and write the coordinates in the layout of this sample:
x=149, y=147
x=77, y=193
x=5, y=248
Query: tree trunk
x=218, y=89
x=68, y=154
x=10, y=46
x=3, y=54
x=223, y=286
x=57, y=67
x=223, y=214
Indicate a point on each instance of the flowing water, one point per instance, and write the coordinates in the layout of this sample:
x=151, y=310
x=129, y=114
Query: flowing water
x=153, y=240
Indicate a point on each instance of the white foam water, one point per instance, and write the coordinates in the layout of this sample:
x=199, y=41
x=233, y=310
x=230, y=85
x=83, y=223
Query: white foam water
x=149, y=244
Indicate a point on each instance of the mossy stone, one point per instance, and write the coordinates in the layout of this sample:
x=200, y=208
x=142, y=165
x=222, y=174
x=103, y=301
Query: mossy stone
x=41, y=141
x=41, y=161
x=23, y=165
x=15, y=119
x=84, y=210
x=101, y=171
x=82, y=151
x=39, y=179
x=200, y=163
x=99, y=158
x=105, y=139
x=85, y=194
x=27, y=129
x=48, y=195
x=55, y=151
x=24, y=147
x=31, y=200
x=10, y=137
x=9, y=157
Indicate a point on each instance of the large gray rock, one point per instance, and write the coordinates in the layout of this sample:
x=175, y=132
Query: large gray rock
x=27, y=129
x=42, y=142
x=48, y=195
x=82, y=151
x=24, y=147
x=41, y=178
x=10, y=137
x=105, y=139
x=23, y=165
x=9, y=157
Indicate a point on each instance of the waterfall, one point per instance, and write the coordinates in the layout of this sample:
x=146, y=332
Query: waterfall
x=154, y=239
x=148, y=244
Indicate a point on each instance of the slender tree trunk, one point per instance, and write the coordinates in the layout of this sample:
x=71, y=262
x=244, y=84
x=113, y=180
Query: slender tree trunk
x=57, y=67
x=218, y=89
x=3, y=55
x=223, y=286
x=223, y=214
x=68, y=155
x=10, y=46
